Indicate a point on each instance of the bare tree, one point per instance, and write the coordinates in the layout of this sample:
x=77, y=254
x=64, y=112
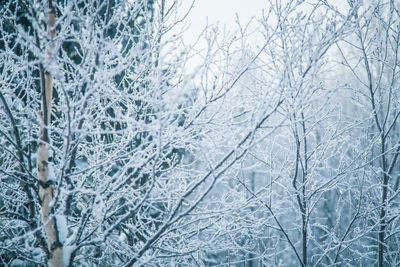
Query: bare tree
x=281, y=153
x=117, y=181
x=374, y=72
x=290, y=171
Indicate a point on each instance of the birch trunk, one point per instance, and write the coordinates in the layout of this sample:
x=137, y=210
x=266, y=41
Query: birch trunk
x=46, y=189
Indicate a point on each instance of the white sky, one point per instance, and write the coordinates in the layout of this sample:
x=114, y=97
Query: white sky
x=222, y=11
x=225, y=12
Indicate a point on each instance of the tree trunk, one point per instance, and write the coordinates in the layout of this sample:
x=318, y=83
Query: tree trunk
x=382, y=215
x=46, y=189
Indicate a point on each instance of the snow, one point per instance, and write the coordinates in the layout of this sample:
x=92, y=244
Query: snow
x=37, y=253
x=51, y=175
x=17, y=263
x=167, y=166
x=67, y=251
x=62, y=228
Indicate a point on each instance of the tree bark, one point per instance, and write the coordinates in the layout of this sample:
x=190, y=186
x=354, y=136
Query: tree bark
x=46, y=189
x=382, y=214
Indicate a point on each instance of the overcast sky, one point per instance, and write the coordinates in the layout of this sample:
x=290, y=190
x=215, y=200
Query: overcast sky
x=223, y=11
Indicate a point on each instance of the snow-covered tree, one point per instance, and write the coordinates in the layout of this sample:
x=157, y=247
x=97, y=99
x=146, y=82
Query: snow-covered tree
x=116, y=149
x=371, y=60
x=96, y=93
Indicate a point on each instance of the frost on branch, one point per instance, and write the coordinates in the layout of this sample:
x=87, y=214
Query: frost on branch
x=276, y=145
